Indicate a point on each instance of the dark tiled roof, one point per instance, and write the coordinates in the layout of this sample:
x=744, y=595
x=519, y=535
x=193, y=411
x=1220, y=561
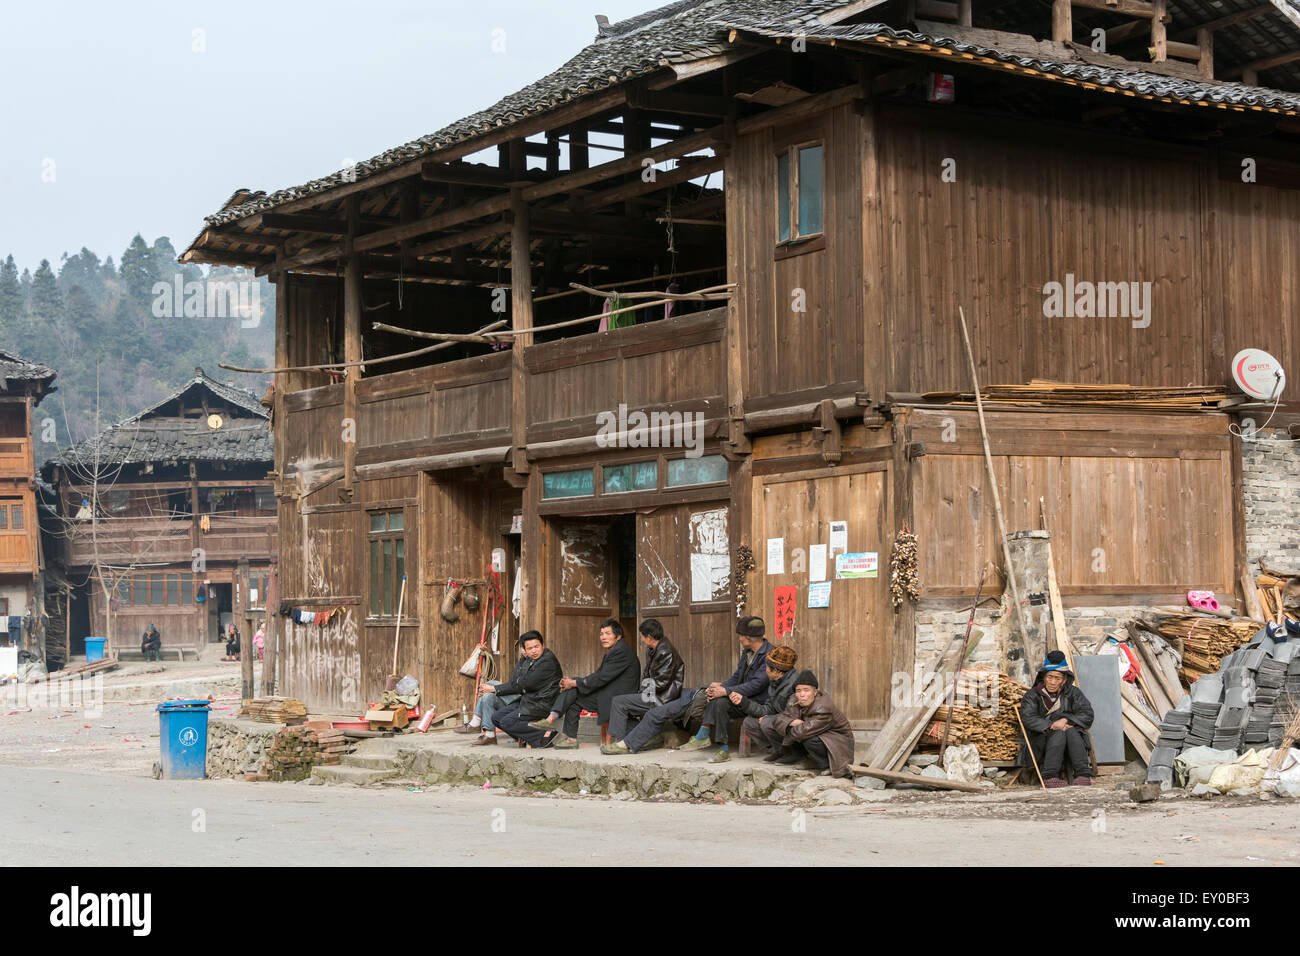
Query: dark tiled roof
x=670, y=35
x=244, y=436
x=16, y=368
x=1140, y=82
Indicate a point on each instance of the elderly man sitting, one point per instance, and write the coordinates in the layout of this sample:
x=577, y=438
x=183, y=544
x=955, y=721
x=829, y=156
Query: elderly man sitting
x=1057, y=715
x=780, y=688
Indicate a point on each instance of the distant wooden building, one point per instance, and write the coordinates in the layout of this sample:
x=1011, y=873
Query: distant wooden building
x=882, y=163
x=169, y=518
x=22, y=386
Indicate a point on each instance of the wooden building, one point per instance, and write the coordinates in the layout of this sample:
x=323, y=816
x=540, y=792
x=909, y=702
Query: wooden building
x=169, y=518
x=851, y=173
x=22, y=600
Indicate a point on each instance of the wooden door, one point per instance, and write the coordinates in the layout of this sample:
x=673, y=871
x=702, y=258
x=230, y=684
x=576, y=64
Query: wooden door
x=683, y=571
x=847, y=644
x=583, y=579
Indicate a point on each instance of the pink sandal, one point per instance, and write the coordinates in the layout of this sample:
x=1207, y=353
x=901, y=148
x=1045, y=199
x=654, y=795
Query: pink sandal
x=1205, y=600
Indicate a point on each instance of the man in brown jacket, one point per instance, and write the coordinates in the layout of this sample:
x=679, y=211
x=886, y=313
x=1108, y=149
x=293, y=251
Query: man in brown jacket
x=813, y=727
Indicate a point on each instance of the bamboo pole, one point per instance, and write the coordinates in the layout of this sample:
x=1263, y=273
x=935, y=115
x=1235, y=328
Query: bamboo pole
x=397, y=632
x=993, y=484
x=1028, y=746
x=609, y=286
x=339, y=366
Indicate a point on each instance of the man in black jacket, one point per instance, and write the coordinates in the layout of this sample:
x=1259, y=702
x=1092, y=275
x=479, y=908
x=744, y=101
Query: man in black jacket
x=619, y=673
x=1057, y=715
x=749, y=680
x=537, y=681
x=758, y=714
x=665, y=672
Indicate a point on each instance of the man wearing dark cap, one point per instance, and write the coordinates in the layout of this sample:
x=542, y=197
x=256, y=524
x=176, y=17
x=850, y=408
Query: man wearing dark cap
x=780, y=688
x=749, y=680
x=1057, y=715
x=813, y=728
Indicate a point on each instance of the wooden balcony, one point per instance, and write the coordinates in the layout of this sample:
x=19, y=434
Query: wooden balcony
x=149, y=541
x=16, y=458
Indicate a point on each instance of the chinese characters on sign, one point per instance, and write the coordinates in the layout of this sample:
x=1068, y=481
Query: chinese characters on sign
x=785, y=602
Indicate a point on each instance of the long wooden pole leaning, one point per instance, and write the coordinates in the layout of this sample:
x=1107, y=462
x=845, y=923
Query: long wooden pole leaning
x=397, y=632
x=1030, y=747
x=993, y=481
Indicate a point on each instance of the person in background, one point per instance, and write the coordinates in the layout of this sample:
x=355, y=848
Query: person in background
x=619, y=673
x=259, y=639
x=151, y=644
x=749, y=680
x=812, y=726
x=759, y=714
x=232, y=644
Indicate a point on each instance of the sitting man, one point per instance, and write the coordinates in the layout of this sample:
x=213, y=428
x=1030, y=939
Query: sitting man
x=665, y=672
x=151, y=644
x=780, y=688
x=812, y=727
x=619, y=673
x=749, y=680
x=1056, y=715
x=537, y=682
x=488, y=704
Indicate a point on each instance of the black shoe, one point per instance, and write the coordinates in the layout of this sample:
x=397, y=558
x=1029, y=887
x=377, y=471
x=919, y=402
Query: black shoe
x=773, y=757
x=791, y=758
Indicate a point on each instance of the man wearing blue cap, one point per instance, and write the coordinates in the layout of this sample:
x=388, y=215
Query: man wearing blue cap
x=1057, y=715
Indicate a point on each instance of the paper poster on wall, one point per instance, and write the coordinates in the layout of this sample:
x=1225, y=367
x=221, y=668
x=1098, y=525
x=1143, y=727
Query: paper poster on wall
x=839, y=537
x=817, y=562
x=776, y=555
x=709, y=573
x=863, y=564
x=786, y=598
x=819, y=594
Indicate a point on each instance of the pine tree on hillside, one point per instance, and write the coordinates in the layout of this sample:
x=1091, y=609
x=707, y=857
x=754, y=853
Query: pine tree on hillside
x=137, y=271
x=11, y=296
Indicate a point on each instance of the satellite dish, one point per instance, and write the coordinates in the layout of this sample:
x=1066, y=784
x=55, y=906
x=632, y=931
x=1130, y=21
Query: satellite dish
x=1258, y=374
x=214, y=421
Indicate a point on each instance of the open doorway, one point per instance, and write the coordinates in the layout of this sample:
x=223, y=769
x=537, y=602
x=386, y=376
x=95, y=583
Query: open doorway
x=221, y=606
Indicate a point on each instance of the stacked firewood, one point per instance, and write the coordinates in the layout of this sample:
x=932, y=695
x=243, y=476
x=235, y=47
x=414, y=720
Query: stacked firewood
x=984, y=715
x=1205, y=641
x=297, y=749
x=274, y=710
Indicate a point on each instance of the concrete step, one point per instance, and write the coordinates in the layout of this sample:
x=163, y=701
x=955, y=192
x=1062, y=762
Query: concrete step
x=356, y=776
x=372, y=761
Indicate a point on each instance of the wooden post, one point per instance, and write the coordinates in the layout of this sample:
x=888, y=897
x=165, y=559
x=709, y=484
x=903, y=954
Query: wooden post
x=963, y=13
x=1250, y=77
x=272, y=629
x=1159, y=48
x=351, y=340
x=1205, y=65
x=579, y=154
x=246, y=651
x=997, y=498
x=521, y=317
x=1062, y=21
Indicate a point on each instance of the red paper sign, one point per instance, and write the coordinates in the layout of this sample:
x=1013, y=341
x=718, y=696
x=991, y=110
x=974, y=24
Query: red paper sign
x=785, y=602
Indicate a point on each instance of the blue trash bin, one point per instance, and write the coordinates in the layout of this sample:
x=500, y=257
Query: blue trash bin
x=95, y=648
x=183, y=737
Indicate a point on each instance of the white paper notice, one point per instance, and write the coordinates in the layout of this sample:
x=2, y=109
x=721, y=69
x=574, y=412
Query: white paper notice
x=839, y=536
x=817, y=562
x=701, y=577
x=776, y=555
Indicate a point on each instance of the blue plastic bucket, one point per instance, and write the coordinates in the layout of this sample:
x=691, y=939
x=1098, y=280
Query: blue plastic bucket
x=95, y=648
x=183, y=738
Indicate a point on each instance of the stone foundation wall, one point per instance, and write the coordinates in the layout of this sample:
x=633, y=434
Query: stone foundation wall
x=1270, y=472
x=237, y=747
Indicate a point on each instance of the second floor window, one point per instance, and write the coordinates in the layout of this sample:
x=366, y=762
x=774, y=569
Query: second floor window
x=799, y=193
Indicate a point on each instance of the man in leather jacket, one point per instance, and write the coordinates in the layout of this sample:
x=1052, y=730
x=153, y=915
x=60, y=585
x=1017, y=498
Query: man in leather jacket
x=661, y=686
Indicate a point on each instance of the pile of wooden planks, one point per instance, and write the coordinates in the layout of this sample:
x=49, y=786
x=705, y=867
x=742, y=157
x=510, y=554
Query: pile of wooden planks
x=985, y=716
x=274, y=710
x=909, y=719
x=1042, y=392
x=80, y=670
x=297, y=749
x=1204, y=641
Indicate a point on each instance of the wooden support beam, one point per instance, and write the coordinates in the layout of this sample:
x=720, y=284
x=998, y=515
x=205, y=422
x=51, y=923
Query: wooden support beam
x=1159, y=49
x=688, y=104
x=828, y=432
x=1062, y=21
x=688, y=168
x=1248, y=76
x=352, y=308
x=490, y=230
x=964, y=13
x=935, y=782
x=1129, y=8
x=521, y=317
x=325, y=225
x=579, y=153
x=936, y=10
x=1221, y=23
x=1127, y=31
x=476, y=174
x=1268, y=63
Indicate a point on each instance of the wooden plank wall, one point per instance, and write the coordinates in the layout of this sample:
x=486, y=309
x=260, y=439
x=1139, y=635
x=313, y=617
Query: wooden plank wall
x=1136, y=503
x=787, y=352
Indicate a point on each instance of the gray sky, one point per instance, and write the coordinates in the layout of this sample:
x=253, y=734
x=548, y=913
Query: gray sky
x=144, y=125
